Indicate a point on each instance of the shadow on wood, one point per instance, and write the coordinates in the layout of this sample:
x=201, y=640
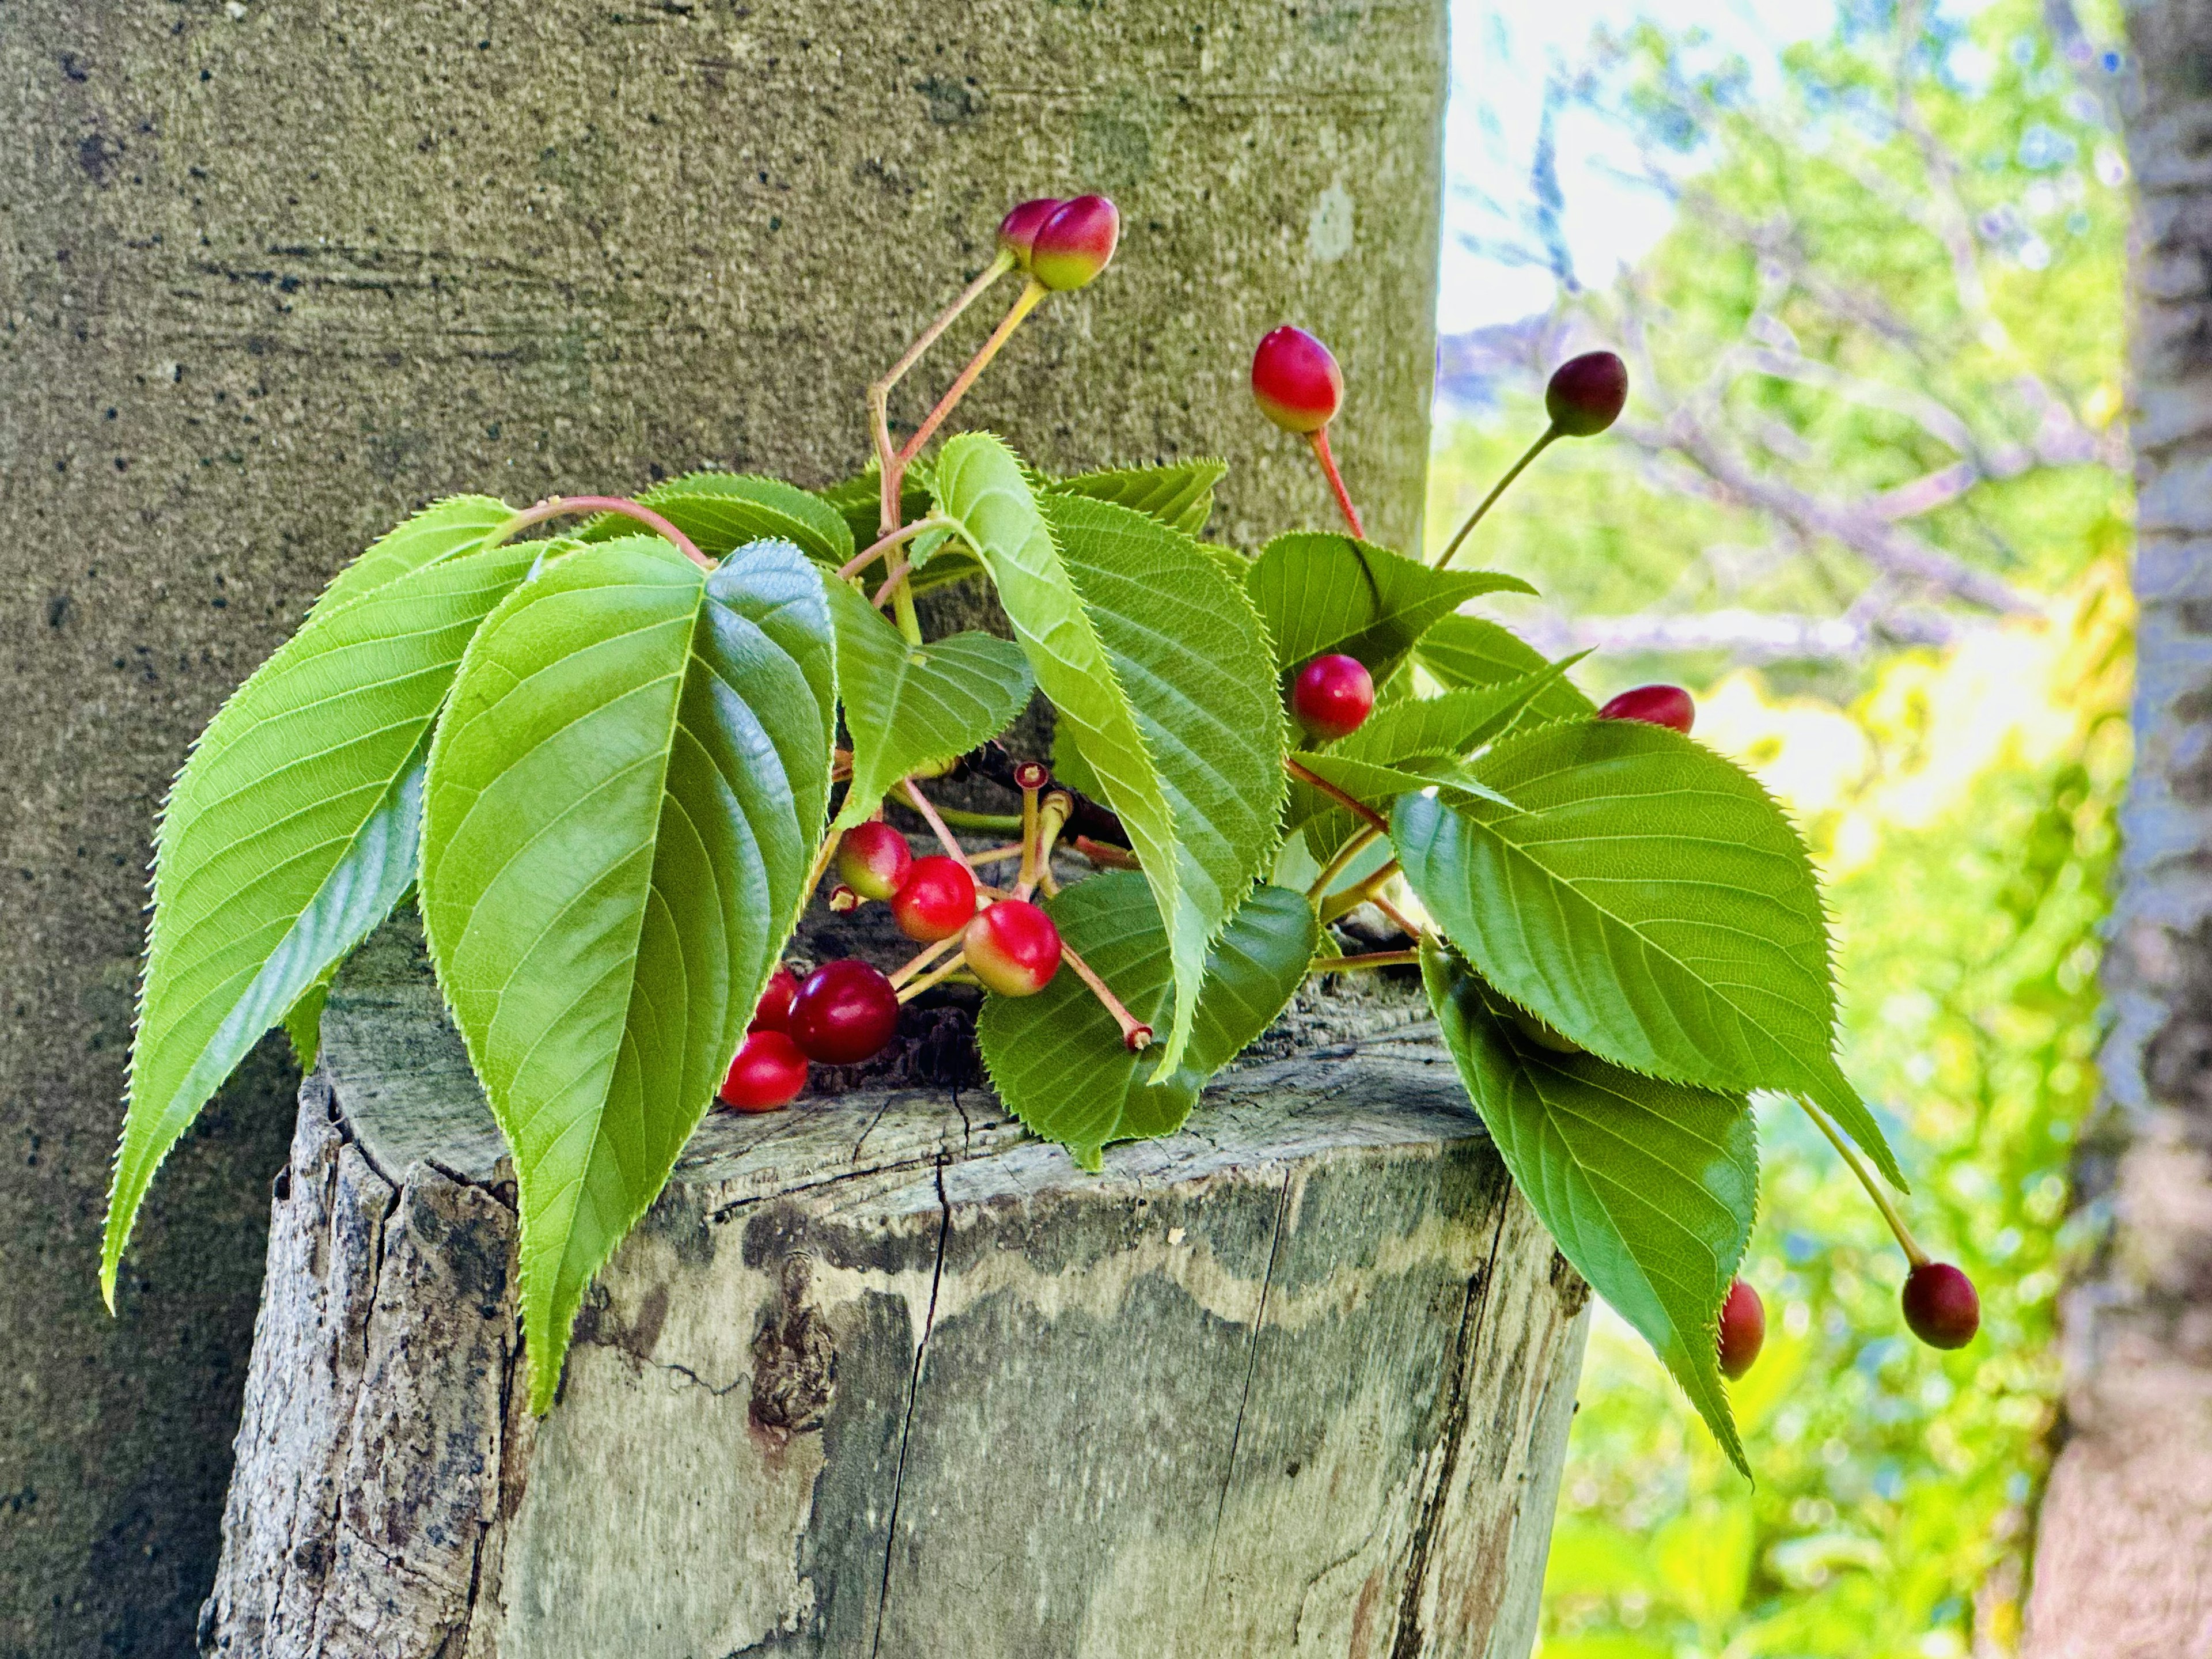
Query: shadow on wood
x=884, y=1375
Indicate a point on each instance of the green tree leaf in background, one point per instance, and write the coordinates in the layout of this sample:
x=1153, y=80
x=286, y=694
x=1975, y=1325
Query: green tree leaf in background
x=1180, y=495
x=1647, y=898
x=1649, y=1188
x=622, y=806
x=979, y=484
x=289, y=835
x=440, y=530
x=1057, y=1058
x=1318, y=591
x=1467, y=651
x=912, y=708
x=723, y=511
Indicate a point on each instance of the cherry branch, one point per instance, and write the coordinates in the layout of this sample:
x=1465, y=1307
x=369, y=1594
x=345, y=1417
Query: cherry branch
x=558, y=506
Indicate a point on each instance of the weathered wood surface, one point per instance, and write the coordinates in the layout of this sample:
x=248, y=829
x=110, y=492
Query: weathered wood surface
x=883, y=1375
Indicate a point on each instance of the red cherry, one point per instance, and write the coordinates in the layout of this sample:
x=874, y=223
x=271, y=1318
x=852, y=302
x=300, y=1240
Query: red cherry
x=1333, y=696
x=845, y=1012
x=872, y=860
x=1013, y=948
x=1074, y=244
x=767, y=1073
x=772, y=1011
x=1017, y=231
x=936, y=900
x=1295, y=381
x=1743, y=1329
x=1654, y=705
x=1941, y=1305
x=1586, y=393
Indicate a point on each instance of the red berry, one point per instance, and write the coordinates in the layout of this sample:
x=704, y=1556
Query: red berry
x=1017, y=231
x=1013, y=948
x=1941, y=1306
x=872, y=860
x=936, y=900
x=767, y=1073
x=1074, y=244
x=1586, y=393
x=1654, y=705
x=1333, y=696
x=772, y=1011
x=845, y=1012
x=1295, y=381
x=1743, y=1329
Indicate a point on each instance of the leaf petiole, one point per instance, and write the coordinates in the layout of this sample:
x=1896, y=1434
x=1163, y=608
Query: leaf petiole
x=1368, y=892
x=1360, y=841
x=559, y=507
x=1372, y=959
x=1358, y=808
x=860, y=561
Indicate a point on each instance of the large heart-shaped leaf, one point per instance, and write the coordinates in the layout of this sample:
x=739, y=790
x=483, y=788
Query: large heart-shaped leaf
x=723, y=511
x=1475, y=651
x=1057, y=1058
x=1646, y=898
x=912, y=708
x=622, y=803
x=1318, y=591
x=1179, y=495
x=981, y=486
x=1649, y=1188
x=290, y=834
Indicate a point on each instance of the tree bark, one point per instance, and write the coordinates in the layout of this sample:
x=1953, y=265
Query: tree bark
x=2123, y=1556
x=884, y=1375
x=272, y=275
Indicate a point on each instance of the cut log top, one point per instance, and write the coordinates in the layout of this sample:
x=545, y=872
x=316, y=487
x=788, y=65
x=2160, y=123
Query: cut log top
x=884, y=1375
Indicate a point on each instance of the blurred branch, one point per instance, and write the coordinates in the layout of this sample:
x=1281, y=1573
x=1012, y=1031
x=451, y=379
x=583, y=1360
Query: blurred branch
x=1748, y=636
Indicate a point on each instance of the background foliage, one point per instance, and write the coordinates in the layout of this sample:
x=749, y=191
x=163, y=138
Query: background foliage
x=1889, y=321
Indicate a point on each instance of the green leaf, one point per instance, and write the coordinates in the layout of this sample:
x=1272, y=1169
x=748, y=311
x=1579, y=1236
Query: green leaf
x=910, y=708
x=723, y=511
x=1647, y=898
x=858, y=501
x=621, y=808
x=1649, y=1188
x=1318, y=592
x=303, y=1020
x=979, y=484
x=289, y=835
x=1180, y=495
x=440, y=530
x=1057, y=1058
x=1463, y=651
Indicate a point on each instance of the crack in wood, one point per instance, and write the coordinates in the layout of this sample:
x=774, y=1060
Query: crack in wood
x=1251, y=1364
x=914, y=1390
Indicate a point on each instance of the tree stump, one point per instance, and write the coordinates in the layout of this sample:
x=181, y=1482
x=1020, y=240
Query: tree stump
x=884, y=1375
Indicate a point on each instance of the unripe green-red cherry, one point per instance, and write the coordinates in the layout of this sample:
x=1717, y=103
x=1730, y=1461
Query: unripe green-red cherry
x=936, y=900
x=845, y=1012
x=1296, y=381
x=1941, y=1305
x=1333, y=696
x=1017, y=231
x=1654, y=705
x=1586, y=393
x=772, y=1011
x=1743, y=1329
x=1074, y=244
x=872, y=860
x=767, y=1075
x=1013, y=948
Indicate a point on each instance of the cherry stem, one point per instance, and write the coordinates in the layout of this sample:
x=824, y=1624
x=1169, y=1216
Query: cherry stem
x=890, y=472
x=860, y=561
x=920, y=802
x=821, y=861
x=1371, y=959
x=1136, y=1035
x=1360, y=808
x=1106, y=857
x=921, y=959
x=1005, y=822
x=1360, y=841
x=1319, y=439
x=1495, y=490
x=561, y=507
x=1032, y=293
x=1027, y=879
x=1052, y=818
x=1905, y=1242
x=944, y=969
x=890, y=583
x=996, y=854
x=1367, y=892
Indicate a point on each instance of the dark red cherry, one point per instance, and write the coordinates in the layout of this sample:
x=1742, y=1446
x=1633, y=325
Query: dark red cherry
x=1941, y=1305
x=1654, y=705
x=845, y=1012
x=766, y=1076
x=1743, y=1329
x=772, y=1011
x=1333, y=696
x=1586, y=393
x=1013, y=948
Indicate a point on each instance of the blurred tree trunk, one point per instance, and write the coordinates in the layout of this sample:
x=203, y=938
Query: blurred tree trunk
x=2124, y=1559
x=270, y=277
